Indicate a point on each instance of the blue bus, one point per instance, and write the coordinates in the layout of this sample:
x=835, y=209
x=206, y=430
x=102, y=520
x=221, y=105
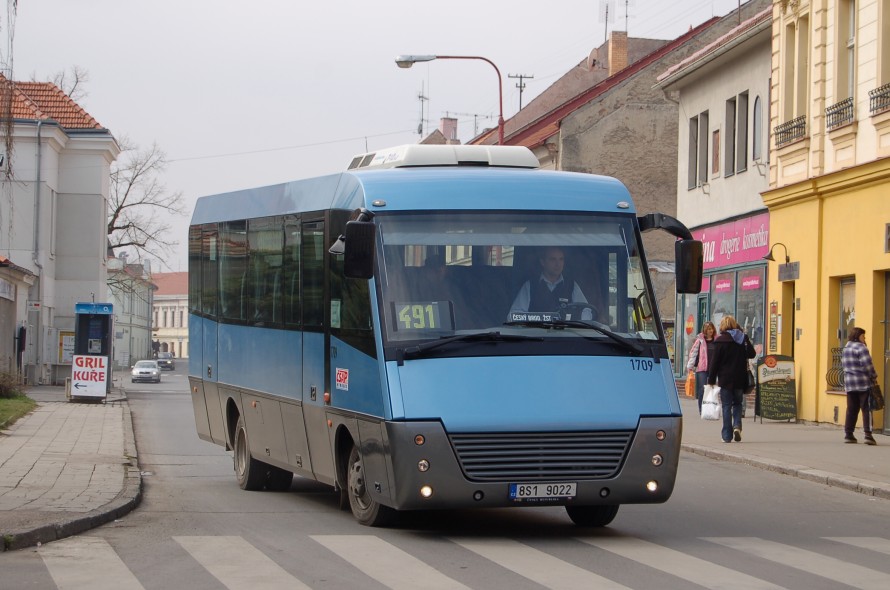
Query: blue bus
x=388, y=331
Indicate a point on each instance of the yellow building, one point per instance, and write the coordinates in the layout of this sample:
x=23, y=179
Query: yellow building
x=829, y=196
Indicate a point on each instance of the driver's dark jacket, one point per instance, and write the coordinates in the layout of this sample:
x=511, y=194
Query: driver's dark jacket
x=541, y=298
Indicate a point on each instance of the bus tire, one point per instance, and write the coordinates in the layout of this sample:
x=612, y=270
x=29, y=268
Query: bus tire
x=365, y=509
x=251, y=473
x=279, y=480
x=592, y=516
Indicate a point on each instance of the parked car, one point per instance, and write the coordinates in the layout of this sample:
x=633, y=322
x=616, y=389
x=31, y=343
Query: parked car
x=146, y=371
x=165, y=360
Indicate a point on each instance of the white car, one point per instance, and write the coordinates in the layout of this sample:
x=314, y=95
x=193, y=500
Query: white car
x=146, y=371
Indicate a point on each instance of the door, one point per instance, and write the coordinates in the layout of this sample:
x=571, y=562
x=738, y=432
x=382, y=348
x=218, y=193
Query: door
x=885, y=322
x=316, y=343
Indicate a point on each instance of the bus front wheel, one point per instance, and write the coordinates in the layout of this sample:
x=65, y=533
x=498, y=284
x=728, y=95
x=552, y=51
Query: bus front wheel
x=250, y=472
x=592, y=516
x=365, y=509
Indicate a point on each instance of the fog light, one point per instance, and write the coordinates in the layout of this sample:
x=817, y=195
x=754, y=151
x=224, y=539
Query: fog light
x=656, y=460
x=426, y=491
x=604, y=493
x=661, y=435
x=423, y=465
x=419, y=440
x=652, y=486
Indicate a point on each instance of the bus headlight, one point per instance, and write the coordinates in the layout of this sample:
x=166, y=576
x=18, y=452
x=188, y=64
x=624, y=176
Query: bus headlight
x=426, y=492
x=423, y=465
x=657, y=460
x=652, y=486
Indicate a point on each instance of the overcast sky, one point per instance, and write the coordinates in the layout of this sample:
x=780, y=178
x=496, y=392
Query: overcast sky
x=242, y=94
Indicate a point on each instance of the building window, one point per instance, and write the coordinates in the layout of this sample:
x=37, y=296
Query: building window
x=846, y=49
x=884, y=41
x=729, y=139
x=715, y=148
x=795, y=68
x=692, y=156
x=756, y=139
x=703, y=135
x=847, y=311
x=741, y=133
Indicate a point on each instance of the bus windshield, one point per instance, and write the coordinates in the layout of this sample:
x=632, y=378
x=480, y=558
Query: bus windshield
x=562, y=275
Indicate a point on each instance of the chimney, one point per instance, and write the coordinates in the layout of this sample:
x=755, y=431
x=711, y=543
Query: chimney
x=617, y=52
x=448, y=127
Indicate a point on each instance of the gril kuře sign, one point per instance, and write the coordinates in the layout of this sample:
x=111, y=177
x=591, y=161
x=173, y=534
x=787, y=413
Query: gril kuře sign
x=89, y=375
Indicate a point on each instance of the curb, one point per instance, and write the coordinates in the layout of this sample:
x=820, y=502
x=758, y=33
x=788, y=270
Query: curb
x=128, y=499
x=862, y=486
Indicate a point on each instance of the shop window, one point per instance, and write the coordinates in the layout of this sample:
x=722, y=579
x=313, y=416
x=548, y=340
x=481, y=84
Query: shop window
x=847, y=309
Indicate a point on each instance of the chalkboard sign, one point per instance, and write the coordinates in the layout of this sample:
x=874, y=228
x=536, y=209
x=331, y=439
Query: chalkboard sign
x=776, y=388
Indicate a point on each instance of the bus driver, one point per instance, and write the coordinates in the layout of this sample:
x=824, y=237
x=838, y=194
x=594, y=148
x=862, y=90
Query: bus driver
x=552, y=291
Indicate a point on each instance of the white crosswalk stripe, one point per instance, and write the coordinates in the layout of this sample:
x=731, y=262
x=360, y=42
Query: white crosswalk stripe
x=238, y=564
x=386, y=563
x=686, y=567
x=872, y=543
x=819, y=564
x=73, y=563
x=540, y=567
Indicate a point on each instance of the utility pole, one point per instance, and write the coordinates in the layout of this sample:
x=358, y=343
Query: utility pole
x=521, y=84
x=422, y=100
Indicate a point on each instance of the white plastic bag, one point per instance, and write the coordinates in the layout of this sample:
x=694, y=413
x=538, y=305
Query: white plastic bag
x=710, y=403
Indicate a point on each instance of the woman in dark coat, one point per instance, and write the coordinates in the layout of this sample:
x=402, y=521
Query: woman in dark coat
x=729, y=369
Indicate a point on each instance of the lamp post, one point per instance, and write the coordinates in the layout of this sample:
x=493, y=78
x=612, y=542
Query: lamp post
x=406, y=61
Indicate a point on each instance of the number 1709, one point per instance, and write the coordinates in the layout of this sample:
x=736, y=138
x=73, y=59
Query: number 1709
x=641, y=365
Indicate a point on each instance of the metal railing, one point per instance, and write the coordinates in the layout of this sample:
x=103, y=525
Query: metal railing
x=835, y=376
x=879, y=99
x=839, y=114
x=790, y=131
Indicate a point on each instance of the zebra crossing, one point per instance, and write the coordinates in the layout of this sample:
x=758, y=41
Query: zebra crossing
x=73, y=563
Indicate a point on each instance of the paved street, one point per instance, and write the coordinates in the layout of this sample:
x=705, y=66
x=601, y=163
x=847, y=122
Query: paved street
x=194, y=521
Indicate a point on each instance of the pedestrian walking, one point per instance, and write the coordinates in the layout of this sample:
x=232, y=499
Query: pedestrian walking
x=859, y=376
x=728, y=368
x=701, y=350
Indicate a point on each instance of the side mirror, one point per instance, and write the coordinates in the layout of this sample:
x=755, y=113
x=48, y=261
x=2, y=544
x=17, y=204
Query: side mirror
x=360, y=238
x=689, y=259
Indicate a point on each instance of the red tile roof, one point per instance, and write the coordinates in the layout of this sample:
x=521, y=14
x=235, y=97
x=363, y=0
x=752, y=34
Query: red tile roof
x=171, y=283
x=44, y=101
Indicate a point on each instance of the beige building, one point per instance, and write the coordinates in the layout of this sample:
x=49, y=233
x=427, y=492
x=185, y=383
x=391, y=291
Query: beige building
x=170, y=312
x=829, y=196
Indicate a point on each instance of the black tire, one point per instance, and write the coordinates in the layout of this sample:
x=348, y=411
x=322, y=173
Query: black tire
x=592, y=516
x=279, y=480
x=251, y=474
x=365, y=509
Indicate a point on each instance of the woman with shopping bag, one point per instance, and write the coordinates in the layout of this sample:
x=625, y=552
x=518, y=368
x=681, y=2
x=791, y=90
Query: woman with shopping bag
x=728, y=368
x=701, y=350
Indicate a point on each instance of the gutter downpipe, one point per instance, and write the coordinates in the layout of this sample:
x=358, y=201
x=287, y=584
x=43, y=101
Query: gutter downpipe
x=35, y=255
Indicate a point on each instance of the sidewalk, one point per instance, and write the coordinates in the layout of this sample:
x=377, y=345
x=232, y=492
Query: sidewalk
x=69, y=467
x=66, y=468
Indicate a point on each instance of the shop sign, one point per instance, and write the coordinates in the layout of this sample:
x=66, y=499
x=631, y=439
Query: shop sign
x=722, y=286
x=737, y=242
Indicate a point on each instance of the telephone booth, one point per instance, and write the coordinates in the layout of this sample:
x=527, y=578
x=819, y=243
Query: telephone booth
x=91, y=364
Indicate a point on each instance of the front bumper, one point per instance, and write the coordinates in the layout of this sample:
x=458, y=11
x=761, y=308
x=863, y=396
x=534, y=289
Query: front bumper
x=636, y=479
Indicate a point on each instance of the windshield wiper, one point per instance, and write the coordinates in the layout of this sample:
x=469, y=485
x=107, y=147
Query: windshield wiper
x=492, y=336
x=561, y=324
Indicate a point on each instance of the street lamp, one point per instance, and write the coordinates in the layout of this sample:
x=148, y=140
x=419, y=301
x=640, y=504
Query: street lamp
x=770, y=255
x=406, y=61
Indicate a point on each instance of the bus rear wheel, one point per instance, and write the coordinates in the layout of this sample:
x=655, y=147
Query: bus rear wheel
x=365, y=509
x=592, y=516
x=251, y=473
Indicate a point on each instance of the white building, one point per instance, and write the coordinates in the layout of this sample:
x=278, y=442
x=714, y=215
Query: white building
x=171, y=312
x=132, y=293
x=56, y=162
x=723, y=92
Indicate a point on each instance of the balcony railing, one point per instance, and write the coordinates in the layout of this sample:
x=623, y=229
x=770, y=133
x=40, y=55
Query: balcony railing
x=879, y=99
x=840, y=113
x=790, y=131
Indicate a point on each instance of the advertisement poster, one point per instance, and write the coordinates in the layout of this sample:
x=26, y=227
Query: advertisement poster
x=776, y=388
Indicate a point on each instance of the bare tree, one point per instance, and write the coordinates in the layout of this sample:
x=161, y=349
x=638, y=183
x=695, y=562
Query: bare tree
x=72, y=82
x=139, y=205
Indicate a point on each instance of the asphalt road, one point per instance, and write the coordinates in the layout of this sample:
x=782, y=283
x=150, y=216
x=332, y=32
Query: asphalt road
x=726, y=526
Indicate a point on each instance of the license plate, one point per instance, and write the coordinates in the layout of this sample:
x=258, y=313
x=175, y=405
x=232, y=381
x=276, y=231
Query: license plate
x=538, y=492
